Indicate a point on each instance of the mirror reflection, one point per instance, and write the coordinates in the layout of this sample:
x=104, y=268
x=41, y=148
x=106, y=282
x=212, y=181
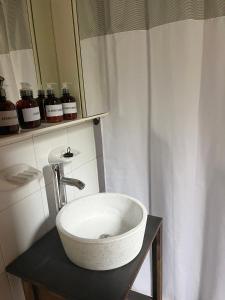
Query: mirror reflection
x=49, y=66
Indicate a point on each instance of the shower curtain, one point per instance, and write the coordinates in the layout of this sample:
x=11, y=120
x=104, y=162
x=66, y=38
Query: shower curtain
x=16, y=54
x=161, y=64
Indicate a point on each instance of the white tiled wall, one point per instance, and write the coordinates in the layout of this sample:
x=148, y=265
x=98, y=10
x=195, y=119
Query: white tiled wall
x=24, y=211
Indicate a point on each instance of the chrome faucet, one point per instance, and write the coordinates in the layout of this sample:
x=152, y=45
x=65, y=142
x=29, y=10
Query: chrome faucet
x=59, y=184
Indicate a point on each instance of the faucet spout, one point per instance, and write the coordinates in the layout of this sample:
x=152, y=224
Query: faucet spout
x=60, y=181
x=73, y=182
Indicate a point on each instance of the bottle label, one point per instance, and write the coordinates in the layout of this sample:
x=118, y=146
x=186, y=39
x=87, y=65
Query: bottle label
x=54, y=110
x=31, y=114
x=8, y=118
x=69, y=108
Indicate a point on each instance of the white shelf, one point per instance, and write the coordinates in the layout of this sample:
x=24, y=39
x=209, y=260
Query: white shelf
x=43, y=129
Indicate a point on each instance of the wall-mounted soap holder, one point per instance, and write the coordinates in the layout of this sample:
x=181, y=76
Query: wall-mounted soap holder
x=20, y=174
x=64, y=154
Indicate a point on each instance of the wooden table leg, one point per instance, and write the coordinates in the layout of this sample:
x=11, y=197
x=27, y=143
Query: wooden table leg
x=157, y=266
x=29, y=291
x=37, y=292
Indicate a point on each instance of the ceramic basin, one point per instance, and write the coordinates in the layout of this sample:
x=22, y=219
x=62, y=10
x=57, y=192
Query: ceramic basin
x=102, y=231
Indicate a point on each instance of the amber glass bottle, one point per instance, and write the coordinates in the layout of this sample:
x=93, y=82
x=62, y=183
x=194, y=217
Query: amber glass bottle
x=68, y=103
x=53, y=106
x=28, y=109
x=41, y=103
x=8, y=115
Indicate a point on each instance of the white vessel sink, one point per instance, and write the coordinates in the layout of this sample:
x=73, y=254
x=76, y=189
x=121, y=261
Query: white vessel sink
x=102, y=231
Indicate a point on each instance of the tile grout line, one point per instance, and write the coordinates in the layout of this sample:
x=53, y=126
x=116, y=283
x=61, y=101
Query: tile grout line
x=20, y=200
x=36, y=161
x=40, y=188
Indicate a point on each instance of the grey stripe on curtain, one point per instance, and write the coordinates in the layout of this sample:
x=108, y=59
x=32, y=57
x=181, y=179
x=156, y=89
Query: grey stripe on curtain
x=99, y=17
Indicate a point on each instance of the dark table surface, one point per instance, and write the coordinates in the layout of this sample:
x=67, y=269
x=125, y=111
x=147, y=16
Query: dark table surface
x=46, y=264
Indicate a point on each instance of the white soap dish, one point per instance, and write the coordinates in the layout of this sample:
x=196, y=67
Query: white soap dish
x=59, y=154
x=20, y=174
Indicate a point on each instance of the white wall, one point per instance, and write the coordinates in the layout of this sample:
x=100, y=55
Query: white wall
x=24, y=213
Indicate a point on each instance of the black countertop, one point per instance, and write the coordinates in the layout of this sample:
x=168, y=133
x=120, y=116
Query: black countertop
x=46, y=264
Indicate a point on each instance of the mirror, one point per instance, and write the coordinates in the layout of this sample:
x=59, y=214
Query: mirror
x=54, y=44
x=65, y=54
x=47, y=41
x=94, y=48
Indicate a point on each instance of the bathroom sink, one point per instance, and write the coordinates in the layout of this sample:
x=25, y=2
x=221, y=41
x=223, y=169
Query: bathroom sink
x=102, y=231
